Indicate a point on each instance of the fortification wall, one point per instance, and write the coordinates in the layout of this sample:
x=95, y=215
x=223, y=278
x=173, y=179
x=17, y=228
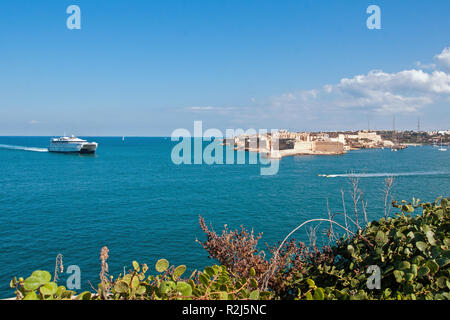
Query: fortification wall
x=304, y=146
x=329, y=147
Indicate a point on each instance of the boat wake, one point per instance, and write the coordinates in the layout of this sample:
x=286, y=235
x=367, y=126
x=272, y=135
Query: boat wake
x=7, y=146
x=374, y=175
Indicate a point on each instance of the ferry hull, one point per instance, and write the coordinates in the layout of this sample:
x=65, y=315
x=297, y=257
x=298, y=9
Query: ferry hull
x=88, y=148
x=67, y=148
x=74, y=152
x=80, y=147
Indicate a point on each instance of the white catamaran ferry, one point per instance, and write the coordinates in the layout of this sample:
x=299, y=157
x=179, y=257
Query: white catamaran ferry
x=72, y=144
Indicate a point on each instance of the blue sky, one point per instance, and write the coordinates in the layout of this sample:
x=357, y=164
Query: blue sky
x=148, y=67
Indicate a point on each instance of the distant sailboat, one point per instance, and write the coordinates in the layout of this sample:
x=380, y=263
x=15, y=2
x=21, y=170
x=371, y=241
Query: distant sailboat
x=123, y=138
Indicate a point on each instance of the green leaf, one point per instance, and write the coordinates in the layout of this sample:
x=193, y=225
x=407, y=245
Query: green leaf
x=381, y=238
x=43, y=276
x=354, y=283
x=162, y=265
x=209, y=271
x=319, y=294
x=12, y=283
x=422, y=246
x=31, y=284
x=398, y=275
x=414, y=269
x=433, y=266
x=430, y=238
x=136, y=266
x=223, y=295
x=408, y=208
x=67, y=294
x=37, y=279
x=141, y=290
x=252, y=272
x=204, y=279
x=121, y=286
x=60, y=291
x=409, y=276
x=86, y=295
x=254, y=295
x=443, y=262
x=178, y=272
x=350, y=249
x=184, y=288
x=31, y=296
x=442, y=282
x=311, y=283
x=423, y=271
x=48, y=289
x=166, y=286
x=134, y=282
x=417, y=260
x=404, y=265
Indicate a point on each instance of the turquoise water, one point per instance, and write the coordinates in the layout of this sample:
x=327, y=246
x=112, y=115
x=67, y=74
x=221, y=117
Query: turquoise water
x=133, y=199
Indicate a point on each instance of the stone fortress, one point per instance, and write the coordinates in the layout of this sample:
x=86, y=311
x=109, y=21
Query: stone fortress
x=284, y=143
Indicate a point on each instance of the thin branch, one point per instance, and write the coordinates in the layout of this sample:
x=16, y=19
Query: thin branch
x=387, y=190
x=356, y=194
x=59, y=267
x=345, y=211
x=271, y=269
x=331, y=232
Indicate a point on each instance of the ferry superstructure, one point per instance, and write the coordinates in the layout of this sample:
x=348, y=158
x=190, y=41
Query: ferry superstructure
x=72, y=144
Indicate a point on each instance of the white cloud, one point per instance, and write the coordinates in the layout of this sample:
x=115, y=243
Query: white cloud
x=346, y=102
x=406, y=91
x=444, y=58
x=34, y=122
x=211, y=108
x=423, y=66
x=201, y=108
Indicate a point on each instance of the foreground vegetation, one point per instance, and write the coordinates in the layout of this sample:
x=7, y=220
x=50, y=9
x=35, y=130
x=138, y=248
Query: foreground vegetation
x=411, y=250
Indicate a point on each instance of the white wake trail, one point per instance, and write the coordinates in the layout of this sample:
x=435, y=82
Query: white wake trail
x=11, y=147
x=373, y=175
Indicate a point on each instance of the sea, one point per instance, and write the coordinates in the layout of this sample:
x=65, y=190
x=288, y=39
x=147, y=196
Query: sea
x=132, y=198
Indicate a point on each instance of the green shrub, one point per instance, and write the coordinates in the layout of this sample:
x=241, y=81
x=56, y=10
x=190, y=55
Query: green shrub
x=411, y=252
x=214, y=283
